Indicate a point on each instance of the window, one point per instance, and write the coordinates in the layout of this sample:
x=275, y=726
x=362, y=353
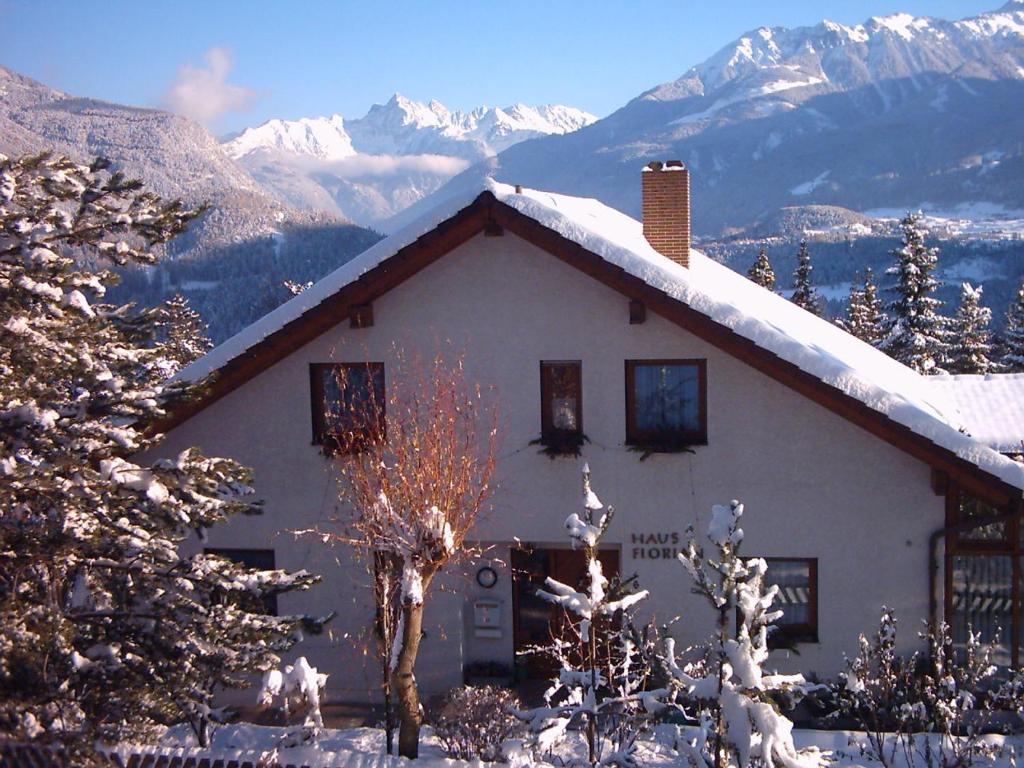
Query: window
x=982, y=602
x=983, y=570
x=971, y=510
x=666, y=403
x=347, y=403
x=797, y=580
x=259, y=559
x=561, y=418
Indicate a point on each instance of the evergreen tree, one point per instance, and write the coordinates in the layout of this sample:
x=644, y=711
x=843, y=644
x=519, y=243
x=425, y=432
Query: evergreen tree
x=804, y=294
x=761, y=271
x=970, y=340
x=601, y=679
x=1011, y=350
x=740, y=722
x=185, y=333
x=106, y=628
x=864, y=317
x=917, y=335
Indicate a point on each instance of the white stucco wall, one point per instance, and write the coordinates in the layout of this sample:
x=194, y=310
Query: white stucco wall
x=815, y=485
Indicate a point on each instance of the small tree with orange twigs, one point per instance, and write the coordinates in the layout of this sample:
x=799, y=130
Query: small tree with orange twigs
x=415, y=488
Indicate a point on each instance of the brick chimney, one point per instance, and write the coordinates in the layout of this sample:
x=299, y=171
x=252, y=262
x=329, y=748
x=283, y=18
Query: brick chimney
x=666, y=209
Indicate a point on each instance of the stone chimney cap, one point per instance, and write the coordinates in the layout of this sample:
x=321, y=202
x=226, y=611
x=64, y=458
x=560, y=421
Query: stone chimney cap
x=668, y=165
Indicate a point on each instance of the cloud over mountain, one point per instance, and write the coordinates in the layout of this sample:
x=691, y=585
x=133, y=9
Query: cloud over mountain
x=203, y=93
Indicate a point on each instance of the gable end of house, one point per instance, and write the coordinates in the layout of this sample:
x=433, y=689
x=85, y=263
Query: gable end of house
x=487, y=213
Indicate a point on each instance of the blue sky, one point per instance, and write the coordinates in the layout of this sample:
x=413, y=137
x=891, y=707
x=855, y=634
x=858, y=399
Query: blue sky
x=294, y=59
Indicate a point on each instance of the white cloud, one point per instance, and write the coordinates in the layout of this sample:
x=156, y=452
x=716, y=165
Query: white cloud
x=203, y=93
x=380, y=166
x=390, y=165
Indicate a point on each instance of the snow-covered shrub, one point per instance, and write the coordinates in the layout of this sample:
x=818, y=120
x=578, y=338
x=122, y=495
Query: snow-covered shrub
x=878, y=691
x=295, y=688
x=603, y=681
x=956, y=693
x=472, y=723
x=896, y=698
x=739, y=720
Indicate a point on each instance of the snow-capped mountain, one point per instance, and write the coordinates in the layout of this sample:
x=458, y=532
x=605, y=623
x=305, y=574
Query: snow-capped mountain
x=321, y=137
x=896, y=112
x=832, y=57
x=233, y=260
x=369, y=168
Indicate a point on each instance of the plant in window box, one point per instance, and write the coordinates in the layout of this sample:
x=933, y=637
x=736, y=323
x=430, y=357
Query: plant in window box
x=648, y=449
x=562, y=444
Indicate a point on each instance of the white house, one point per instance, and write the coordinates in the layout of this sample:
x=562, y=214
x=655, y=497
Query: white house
x=858, y=474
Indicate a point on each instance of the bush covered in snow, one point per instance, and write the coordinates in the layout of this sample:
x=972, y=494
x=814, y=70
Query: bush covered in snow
x=952, y=692
x=472, y=723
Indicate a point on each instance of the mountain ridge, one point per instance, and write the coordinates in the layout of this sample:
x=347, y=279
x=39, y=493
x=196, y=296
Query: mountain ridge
x=232, y=260
x=879, y=120
x=371, y=167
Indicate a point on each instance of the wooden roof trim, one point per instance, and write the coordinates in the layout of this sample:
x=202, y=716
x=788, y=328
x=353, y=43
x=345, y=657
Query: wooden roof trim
x=485, y=209
x=335, y=308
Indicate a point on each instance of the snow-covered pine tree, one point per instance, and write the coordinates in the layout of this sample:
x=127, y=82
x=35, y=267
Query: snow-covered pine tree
x=1011, y=349
x=970, y=342
x=917, y=335
x=739, y=720
x=864, y=316
x=804, y=294
x=106, y=628
x=761, y=271
x=184, y=334
x=604, y=690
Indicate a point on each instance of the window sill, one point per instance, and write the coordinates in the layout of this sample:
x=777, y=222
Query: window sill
x=648, y=447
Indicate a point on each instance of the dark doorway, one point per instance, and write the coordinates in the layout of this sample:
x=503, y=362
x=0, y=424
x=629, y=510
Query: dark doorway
x=535, y=621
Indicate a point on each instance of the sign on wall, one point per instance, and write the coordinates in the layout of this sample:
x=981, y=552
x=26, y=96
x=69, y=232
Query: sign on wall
x=655, y=545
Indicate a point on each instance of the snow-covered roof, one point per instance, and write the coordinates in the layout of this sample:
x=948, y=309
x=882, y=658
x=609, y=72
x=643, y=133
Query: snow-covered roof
x=991, y=407
x=812, y=344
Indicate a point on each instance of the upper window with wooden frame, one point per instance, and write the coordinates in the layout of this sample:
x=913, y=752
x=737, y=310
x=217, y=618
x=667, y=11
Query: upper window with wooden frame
x=797, y=598
x=561, y=397
x=666, y=403
x=348, y=405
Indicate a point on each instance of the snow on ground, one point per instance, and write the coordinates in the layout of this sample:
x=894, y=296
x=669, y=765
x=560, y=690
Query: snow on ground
x=364, y=748
x=334, y=748
x=978, y=269
x=809, y=186
x=980, y=219
x=834, y=292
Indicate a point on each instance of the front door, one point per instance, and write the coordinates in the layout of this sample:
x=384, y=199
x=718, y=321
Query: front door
x=535, y=621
